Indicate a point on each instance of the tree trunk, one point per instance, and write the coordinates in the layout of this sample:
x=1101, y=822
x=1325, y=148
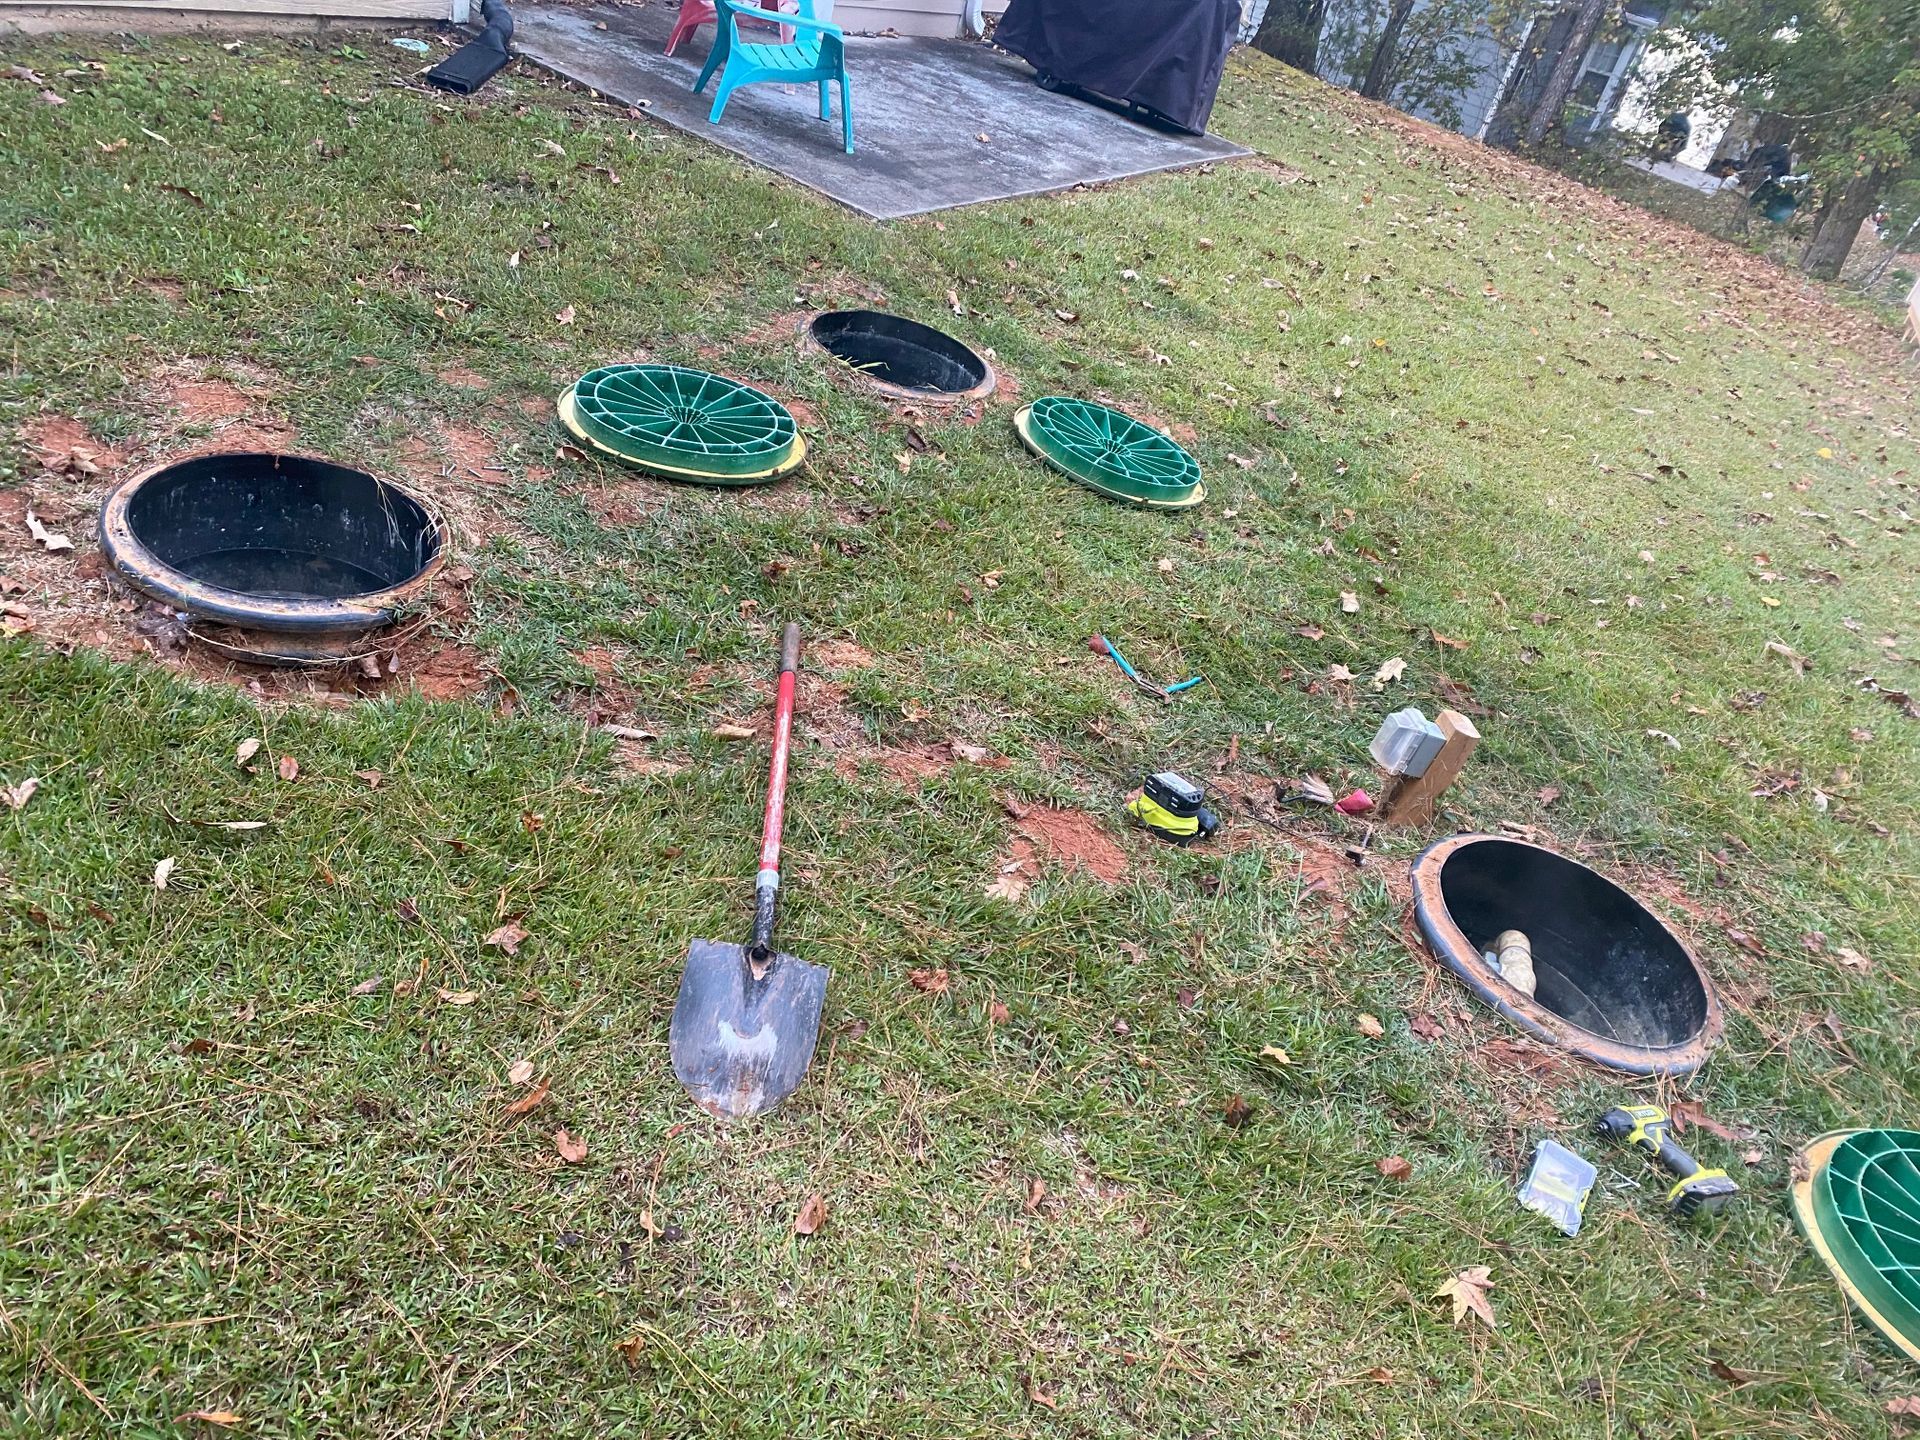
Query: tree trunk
x=1566, y=70
x=1290, y=32
x=1840, y=220
x=1374, y=87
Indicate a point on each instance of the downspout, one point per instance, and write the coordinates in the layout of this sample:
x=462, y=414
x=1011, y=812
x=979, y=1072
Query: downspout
x=973, y=20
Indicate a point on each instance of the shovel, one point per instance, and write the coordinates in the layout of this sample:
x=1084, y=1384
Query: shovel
x=747, y=1018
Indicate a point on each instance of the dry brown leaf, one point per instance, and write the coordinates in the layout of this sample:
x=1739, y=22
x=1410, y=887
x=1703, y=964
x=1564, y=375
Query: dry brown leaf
x=572, y=1151
x=288, y=768
x=731, y=732
x=998, y=1013
x=226, y=1419
x=1275, y=1054
x=1237, y=1111
x=1394, y=1167
x=508, y=937
x=1011, y=884
x=1369, y=1025
x=1447, y=641
x=17, y=796
x=163, y=872
x=1036, y=1192
x=1340, y=674
x=1349, y=602
x=934, y=982
x=565, y=317
x=813, y=1214
x=47, y=538
x=531, y=1100
x=458, y=997
x=1904, y=1405
x=367, y=986
x=372, y=777
x=246, y=750
x=520, y=1072
x=1388, y=672
x=1468, y=1291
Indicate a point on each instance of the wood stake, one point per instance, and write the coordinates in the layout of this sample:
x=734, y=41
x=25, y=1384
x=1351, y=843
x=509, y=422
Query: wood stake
x=1410, y=800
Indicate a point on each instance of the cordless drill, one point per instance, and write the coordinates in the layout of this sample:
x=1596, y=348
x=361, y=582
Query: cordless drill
x=1696, y=1189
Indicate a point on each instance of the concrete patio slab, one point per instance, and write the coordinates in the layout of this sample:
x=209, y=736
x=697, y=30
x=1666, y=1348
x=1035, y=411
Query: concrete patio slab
x=919, y=108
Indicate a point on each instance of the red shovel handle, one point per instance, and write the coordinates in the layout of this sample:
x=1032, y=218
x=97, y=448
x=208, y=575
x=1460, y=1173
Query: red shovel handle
x=767, y=883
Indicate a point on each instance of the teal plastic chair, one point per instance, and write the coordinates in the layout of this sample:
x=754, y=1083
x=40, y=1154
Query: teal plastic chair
x=818, y=53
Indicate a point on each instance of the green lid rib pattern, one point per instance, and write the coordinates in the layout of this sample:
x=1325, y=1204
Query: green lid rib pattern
x=1111, y=451
x=684, y=419
x=1867, y=1204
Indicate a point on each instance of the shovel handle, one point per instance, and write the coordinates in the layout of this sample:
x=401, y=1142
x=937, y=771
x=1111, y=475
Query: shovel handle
x=766, y=885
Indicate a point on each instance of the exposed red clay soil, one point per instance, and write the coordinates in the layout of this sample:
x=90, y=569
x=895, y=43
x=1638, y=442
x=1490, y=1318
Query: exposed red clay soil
x=463, y=378
x=1071, y=839
x=471, y=450
x=913, y=765
x=206, y=402
x=61, y=443
x=836, y=655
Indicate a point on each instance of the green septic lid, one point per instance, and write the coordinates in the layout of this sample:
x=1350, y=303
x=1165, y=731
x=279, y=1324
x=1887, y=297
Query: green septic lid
x=1110, y=452
x=684, y=420
x=1866, y=1204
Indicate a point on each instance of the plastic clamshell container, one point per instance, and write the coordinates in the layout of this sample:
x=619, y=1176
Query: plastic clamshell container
x=1406, y=743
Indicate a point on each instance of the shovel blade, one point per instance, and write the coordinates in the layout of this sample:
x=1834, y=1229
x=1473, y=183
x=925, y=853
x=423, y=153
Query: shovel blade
x=741, y=1044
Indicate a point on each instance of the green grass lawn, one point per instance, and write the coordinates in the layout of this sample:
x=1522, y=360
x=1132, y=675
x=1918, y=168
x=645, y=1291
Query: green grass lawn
x=255, y=1137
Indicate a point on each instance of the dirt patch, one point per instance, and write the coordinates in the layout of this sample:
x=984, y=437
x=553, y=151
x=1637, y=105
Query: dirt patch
x=911, y=767
x=1322, y=871
x=462, y=378
x=207, y=402
x=837, y=655
x=1071, y=839
x=471, y=450
x=60, y=443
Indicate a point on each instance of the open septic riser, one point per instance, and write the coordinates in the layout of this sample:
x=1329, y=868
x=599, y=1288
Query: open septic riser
x=1615, y=984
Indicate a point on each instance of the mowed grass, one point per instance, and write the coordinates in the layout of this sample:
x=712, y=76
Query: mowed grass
x=1496, y=408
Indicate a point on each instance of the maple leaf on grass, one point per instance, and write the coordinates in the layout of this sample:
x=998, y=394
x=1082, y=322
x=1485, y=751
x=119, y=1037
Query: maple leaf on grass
x=1468, y=1291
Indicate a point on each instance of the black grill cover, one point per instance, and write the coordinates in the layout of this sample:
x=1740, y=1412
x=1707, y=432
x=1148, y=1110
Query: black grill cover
x=1164, y=54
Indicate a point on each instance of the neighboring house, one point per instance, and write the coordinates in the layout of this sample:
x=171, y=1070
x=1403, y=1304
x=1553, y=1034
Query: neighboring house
x=1498, y=68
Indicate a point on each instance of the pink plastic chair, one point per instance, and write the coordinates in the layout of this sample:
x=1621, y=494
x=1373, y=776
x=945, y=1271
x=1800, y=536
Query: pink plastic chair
x=695, y=13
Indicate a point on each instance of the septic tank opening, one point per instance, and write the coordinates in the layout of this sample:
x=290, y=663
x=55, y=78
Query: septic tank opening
x=287, y=544
x=1614, y=984
x=902, y=357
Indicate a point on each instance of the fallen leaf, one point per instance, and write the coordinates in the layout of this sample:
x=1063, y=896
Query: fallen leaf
x=1723, y=1371
x=21, y=72
x=367, y=986
x=1750, y=943
x=1275, y=1054
x=1394, y=1167
x=47, y=538
x=162, y=872
x=226, y=1419
x=520, y=1072
x=1468, y=1291
x=1692, y=1112
x=1547, y=794
x=17, y=796
x=1311, y=632
x=52, y=97
x=998, y=1013
x=246, y=750
x=1904, y=1405
x=634, y=1346
x=1339, y=673
x=1448, y=642
x=1850, y=958
x=813, y=1214
x=1038, y=1395
x=458, y=997
x=1237, y=1111
x=1036, y=1192
x=289, y=768
x=372, y=777
x=1012, y=883
x=1424, y=1025
x=508, y=937
x=572, y=1151
x=934, y=982
x=1388, y=672
x=1066, y=317
x=1349, y=602
x=532, y=1100
x=1369, y=1025
x=731, y=732
x=565, y=317
x=408, y=909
